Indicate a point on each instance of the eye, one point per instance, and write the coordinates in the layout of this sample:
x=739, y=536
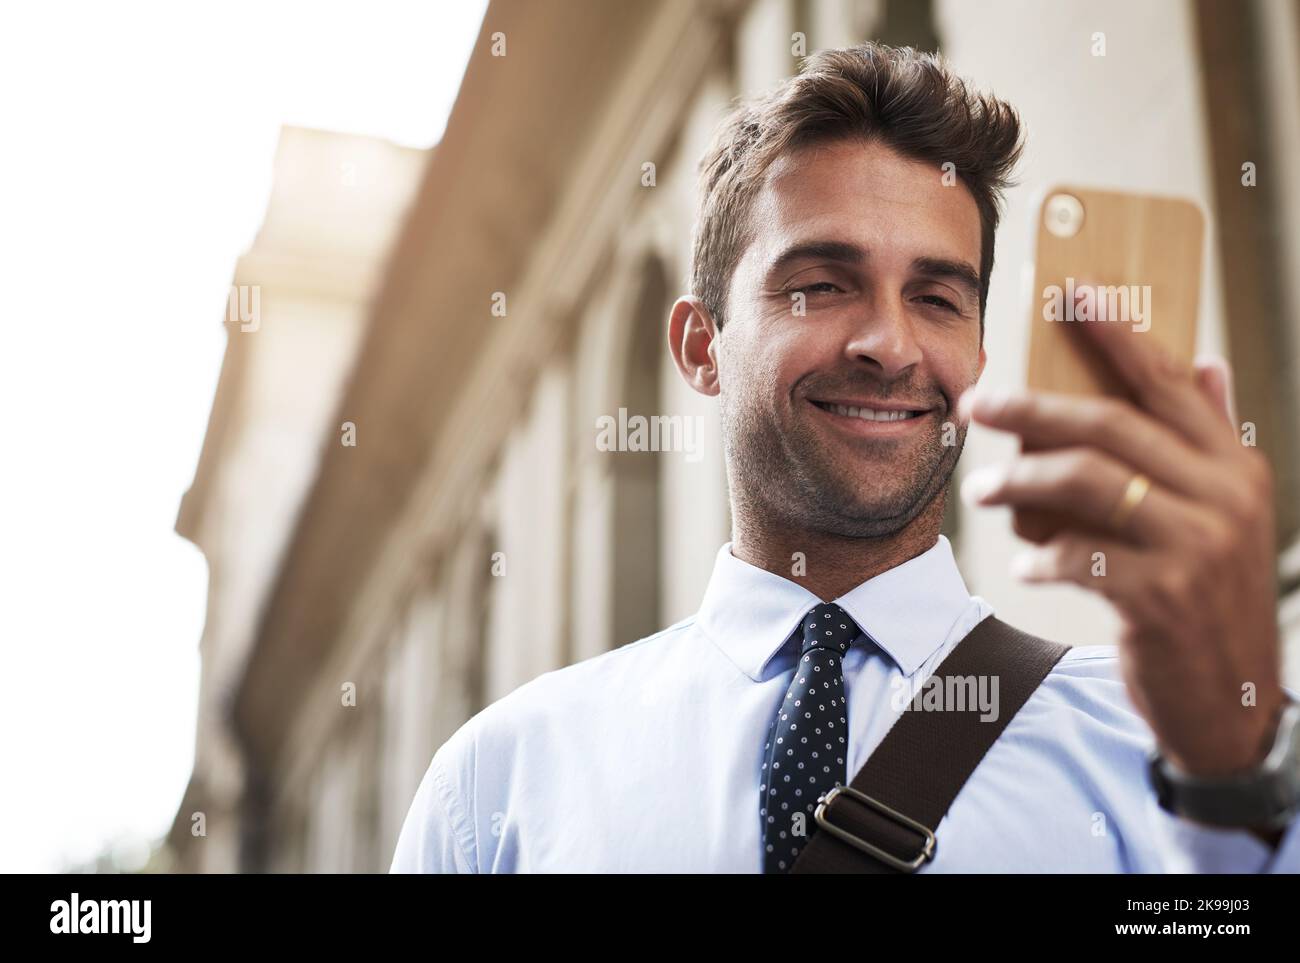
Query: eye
x=818, y=287
x=940, y=302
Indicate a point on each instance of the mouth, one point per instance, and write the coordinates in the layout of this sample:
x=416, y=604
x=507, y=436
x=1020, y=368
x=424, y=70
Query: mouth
x=870, y=412
x=867, y=419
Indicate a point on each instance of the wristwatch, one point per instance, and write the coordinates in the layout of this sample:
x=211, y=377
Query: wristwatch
x=1267, y=797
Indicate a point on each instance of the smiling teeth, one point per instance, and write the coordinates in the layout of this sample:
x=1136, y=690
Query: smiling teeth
x=871, y=414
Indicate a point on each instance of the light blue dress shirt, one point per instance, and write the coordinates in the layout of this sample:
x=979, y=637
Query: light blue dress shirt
x=647, y=758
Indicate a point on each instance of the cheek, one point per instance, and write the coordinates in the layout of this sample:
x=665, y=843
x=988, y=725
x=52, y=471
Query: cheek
x=792, y=358
x=769, y=357
x=749, y=371
x=954, y=367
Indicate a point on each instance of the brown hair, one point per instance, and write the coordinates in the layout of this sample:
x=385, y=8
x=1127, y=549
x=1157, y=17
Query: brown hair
x=907, y=100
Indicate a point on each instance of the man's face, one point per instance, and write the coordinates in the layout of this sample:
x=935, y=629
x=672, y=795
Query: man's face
x=886, y=259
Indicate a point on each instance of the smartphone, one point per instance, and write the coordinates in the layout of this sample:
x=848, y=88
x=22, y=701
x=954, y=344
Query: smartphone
x=1129, y=259
x=1115, y=258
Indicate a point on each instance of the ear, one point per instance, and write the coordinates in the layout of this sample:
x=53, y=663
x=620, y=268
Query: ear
x=693, y=340
x=984, y=357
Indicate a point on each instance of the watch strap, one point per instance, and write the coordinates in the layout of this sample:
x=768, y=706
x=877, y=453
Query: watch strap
x=1267, y=796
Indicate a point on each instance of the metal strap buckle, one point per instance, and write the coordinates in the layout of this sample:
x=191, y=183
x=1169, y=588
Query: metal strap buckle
x=905, y=866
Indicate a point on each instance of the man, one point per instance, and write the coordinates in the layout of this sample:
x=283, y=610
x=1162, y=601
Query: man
x=837, y=313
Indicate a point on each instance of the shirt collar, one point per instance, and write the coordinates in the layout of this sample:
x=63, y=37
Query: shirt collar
x=907, y=610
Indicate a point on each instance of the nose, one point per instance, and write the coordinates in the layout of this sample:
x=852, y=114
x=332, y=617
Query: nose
x=884, y=338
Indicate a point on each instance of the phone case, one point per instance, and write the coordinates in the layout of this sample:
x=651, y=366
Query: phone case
x=1136, y=251
x=1141, y=256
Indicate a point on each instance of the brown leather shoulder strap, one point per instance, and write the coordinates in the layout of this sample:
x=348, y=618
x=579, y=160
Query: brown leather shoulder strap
x=927, y=756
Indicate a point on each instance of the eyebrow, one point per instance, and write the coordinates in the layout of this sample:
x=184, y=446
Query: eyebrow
x=843, y=252
x=959, y=272
x=839, y=251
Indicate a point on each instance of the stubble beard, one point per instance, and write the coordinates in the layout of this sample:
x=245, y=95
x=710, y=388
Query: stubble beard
x=797, y=482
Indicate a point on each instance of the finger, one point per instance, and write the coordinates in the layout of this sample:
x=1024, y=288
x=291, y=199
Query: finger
x=1158, y=382
x=1050, y=420
x=1214, y=377
x=1085, y=486
x=1128, y=577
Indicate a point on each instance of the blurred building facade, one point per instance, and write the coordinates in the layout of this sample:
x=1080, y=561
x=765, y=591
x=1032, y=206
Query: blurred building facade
x=401, y=496
x=297, y=313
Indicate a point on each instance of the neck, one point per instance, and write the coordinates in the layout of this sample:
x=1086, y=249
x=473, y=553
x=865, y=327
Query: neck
x=825, y=563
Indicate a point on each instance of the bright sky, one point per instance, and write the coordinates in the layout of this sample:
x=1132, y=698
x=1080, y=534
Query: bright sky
x=138, y=140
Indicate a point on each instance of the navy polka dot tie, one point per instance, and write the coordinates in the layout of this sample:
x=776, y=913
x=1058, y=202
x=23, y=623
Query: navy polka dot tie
x=806, y=746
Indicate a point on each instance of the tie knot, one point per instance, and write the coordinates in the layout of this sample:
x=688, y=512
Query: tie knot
x=827, y=626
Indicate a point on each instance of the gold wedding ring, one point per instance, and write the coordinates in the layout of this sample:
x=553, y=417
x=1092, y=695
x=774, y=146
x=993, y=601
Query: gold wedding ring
x=1137, y=489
